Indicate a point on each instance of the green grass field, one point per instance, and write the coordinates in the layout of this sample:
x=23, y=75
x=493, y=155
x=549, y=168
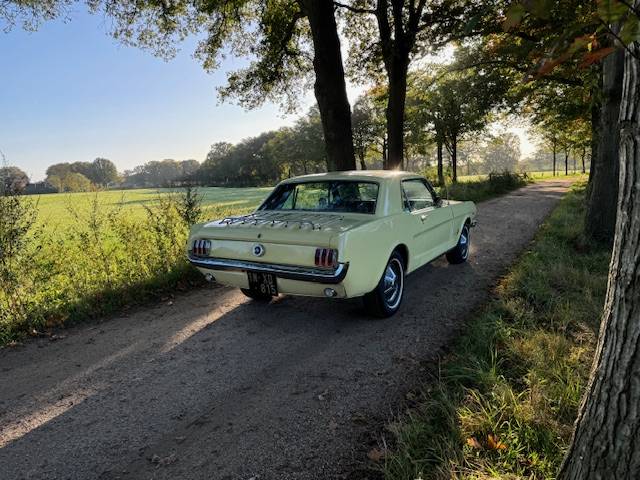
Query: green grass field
x=58, y=209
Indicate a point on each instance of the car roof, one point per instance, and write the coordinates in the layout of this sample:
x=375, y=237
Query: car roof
x=364, y=175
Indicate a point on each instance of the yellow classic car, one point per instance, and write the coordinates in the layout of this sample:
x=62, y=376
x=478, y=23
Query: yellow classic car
x=340, y=234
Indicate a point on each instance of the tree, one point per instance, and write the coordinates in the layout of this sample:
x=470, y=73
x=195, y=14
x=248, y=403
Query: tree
x=330, y=87
x=12, y=179
x=501, y=153
x=103, y=172
x=456, y=104
x=606, y=443
x=59, y=170
x=76, y=182
x=367, y=127
x=56, y=182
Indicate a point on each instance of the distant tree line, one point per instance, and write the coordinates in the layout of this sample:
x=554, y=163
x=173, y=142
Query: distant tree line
x=82, y=176
x=159, y=173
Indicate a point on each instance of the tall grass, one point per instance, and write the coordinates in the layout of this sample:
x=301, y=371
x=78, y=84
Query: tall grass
x=105, y=257
x=505, y=399
x=485, y=188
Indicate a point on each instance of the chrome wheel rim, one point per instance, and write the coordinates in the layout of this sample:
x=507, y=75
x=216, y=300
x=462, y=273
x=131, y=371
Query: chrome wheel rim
x=464, y=242
x=393, y=283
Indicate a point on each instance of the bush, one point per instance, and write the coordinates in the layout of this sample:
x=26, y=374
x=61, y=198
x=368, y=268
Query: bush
x=478, y=190
x=17, y=248
x=106, y=258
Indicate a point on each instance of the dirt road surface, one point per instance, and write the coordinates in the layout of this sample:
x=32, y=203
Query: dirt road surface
x=213, y=386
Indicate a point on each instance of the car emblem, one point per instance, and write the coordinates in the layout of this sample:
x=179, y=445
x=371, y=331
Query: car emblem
x=258, y=250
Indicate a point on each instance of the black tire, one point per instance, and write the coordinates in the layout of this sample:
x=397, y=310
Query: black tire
x=460, y=252
x=256, y=295
x=386, y=298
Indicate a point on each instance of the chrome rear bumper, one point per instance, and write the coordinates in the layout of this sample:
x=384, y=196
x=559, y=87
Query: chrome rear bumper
x=306, y=274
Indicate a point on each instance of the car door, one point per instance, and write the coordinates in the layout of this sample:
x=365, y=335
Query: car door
x=430, y=221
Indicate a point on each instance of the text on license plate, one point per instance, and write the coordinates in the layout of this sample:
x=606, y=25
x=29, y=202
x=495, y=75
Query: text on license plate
x=263, y=283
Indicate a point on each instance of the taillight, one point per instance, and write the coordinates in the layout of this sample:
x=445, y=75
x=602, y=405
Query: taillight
x=201, y=247
x=326, y=257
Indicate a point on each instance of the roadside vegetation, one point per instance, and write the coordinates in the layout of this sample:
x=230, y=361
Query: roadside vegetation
x=504, y=400
x=484, y=188
x=101, y=258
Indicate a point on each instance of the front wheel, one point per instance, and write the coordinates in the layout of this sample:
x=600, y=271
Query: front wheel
x=460, y=252
x=385, y=299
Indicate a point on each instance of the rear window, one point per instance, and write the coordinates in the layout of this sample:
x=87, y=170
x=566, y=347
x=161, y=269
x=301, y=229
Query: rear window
x=325, y=196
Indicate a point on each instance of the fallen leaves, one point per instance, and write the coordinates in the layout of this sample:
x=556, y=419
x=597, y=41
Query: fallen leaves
x=376, y=455
x=492, y=443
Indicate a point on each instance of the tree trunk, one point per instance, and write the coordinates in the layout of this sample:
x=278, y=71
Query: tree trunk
x=440, y=169
x=584, y=152
x=602, y=196
x=566, y=162
x=454, y=160
x=384, y=152
x=395, y=112
x=363, y=164
x=330, y=87
x=554, y=157
x=606, y=441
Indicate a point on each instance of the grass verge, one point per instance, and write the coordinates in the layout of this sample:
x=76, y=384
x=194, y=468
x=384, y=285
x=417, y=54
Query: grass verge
x=505, y=399
x=481, y=189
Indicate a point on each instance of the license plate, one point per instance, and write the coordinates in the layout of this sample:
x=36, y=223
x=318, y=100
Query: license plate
x=263, y=283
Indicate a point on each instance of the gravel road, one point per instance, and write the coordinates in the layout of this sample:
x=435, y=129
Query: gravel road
x=213, y=386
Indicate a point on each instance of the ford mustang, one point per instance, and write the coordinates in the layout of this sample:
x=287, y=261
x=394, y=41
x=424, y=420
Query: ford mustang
x=343, y=234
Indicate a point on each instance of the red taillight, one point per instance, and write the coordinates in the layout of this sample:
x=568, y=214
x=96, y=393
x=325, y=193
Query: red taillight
x=201, y=247
x=326, y=257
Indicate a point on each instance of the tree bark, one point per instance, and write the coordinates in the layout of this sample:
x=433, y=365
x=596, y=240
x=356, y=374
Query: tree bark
x=606, y=441
x=363, y=164
x=395, y=111
x=384, y=152
x=602, y=196
x=554, y=157
x=584, y=152
x=454, y=160
x=330, y=87
x=440, y=169
x=566, y=162
x=397, y=39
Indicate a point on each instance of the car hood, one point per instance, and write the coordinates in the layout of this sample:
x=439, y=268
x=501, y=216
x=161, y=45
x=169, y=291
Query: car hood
x=302, y=228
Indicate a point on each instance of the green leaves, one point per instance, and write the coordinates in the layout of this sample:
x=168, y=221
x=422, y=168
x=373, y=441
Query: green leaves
x=513, y=16
x=612, y=11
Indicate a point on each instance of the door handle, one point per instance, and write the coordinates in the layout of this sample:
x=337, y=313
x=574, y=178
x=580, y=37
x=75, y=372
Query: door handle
x=424, y=217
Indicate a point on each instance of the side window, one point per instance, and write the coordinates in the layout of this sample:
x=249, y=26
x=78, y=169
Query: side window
x=416, y=195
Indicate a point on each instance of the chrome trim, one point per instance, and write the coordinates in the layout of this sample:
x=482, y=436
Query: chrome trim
x=307, y=274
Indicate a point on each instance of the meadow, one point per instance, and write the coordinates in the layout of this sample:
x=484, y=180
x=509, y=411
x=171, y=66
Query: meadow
x=55, y=211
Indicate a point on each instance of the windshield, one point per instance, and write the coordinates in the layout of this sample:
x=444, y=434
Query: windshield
x=325, y=196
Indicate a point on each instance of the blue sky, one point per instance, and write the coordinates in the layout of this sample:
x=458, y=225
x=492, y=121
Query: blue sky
x=69, y=92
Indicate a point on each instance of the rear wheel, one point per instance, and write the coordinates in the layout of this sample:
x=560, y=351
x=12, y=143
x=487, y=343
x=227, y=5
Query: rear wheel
x=460, y=252
x=385, y=299
x=256, y=295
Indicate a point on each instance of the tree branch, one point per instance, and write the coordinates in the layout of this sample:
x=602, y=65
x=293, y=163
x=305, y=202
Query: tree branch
x=355, y=9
